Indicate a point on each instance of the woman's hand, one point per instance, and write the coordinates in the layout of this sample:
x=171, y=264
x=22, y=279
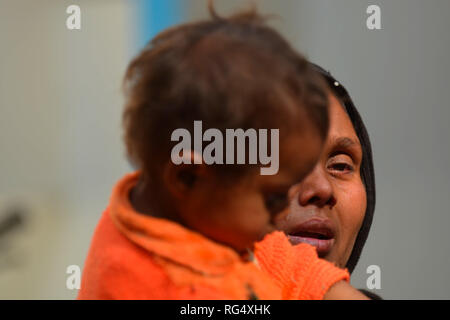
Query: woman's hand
x=342, y=290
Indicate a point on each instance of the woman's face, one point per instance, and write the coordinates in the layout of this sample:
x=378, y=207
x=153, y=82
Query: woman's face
x=327, y=208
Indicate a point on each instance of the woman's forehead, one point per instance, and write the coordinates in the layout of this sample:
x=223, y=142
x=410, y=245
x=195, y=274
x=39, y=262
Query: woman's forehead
x=341, y=127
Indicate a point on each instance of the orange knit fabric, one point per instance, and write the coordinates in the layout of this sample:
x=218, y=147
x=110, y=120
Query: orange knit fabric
x=135, y=256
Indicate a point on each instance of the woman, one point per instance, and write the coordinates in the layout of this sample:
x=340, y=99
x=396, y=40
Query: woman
x=332, y=208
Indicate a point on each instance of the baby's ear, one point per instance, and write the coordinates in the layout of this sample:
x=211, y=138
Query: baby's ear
x=182, y=179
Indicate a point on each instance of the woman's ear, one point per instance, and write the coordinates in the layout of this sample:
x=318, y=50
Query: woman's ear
x=182, y=179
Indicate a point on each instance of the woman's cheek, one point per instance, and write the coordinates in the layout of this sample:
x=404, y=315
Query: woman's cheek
x=352, y=209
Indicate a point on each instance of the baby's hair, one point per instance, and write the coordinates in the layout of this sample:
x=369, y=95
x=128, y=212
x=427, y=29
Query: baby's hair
x=233, y=72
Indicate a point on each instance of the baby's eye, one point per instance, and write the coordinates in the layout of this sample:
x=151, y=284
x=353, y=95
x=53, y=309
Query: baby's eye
x=276, y=202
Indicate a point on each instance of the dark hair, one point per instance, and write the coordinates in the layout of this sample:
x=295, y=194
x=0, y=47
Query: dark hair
x=231, y=72
x=367, y=169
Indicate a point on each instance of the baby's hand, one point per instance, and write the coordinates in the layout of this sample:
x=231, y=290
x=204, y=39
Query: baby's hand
x=298, y=270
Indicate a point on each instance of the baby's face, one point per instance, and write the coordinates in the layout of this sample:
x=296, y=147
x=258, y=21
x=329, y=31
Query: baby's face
x=241, y=213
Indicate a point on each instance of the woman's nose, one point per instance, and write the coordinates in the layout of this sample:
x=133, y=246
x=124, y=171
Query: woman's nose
x=316, y=189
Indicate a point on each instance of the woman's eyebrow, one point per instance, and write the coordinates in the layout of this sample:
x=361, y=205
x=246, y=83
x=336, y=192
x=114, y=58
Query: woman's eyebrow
x=346, y=142
x=350, y=144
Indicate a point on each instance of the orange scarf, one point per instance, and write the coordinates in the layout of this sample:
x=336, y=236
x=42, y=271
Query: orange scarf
x=136, y=256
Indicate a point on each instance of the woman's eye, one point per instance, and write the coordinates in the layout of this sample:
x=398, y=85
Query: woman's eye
x=342, y=167
x=276, y=202
x=340, y=164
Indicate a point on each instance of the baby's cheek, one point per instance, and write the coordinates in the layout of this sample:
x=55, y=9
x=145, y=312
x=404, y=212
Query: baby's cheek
x=248, y=223
x=260, y=226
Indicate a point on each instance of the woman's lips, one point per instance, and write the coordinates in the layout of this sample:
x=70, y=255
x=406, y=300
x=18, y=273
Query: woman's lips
x=316, y=232
x=322, y=246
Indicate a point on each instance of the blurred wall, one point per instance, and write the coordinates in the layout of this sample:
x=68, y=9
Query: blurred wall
x=60, y=134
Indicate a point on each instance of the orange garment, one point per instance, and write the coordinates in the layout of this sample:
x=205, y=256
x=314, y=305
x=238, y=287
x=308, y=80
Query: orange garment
x=136, y=256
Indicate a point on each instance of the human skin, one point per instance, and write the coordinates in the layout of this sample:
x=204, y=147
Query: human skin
x=342, y=290
x=333, y=190
x=214, y=207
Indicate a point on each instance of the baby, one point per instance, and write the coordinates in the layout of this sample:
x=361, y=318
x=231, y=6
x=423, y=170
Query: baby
x=196, y=228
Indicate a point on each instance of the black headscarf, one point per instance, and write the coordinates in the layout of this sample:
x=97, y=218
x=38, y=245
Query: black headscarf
x=367, y=171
